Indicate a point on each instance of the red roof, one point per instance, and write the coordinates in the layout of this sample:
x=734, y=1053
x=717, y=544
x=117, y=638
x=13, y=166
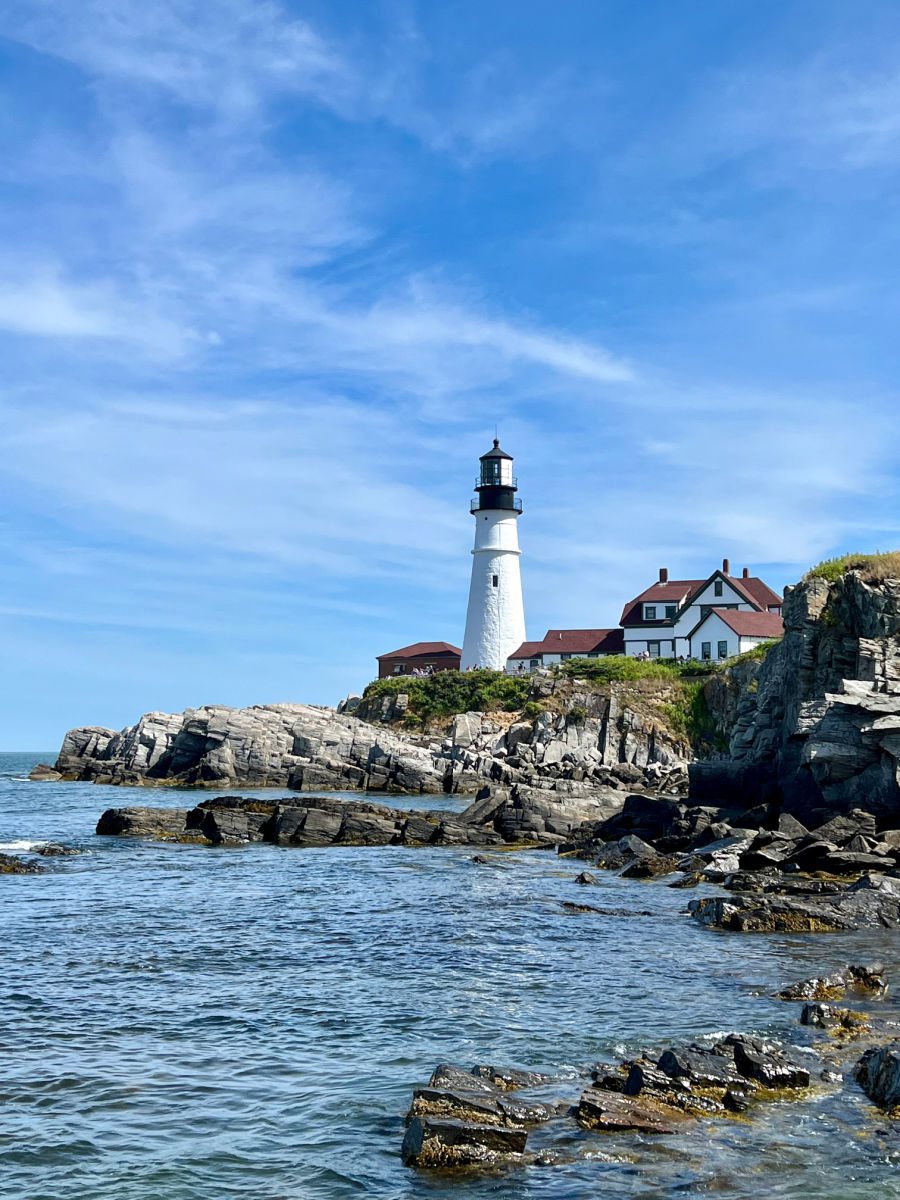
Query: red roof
x=528, y=650
x=747, y=624
x=422, y=650
x=574, y=641
x=681, y=591
x=676, y=591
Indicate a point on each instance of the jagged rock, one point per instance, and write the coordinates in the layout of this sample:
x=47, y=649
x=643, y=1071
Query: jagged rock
x=143, y=822
x=614, y=1111
x=764, y=1062
x=431, y=1142
x=819, y=728
x=867, y=977
x=878, y=1074
x=702, y=1066
x=586, y=878
x=10, y=864
x=508, y=1079
x=831, y=1016
x=54, y=850
x=651, y=868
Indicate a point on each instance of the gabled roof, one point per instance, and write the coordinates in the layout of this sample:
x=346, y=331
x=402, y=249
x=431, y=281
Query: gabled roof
x=675, y=591
x=574, y=641
x=682, y=592
x=418, y=649
x=746, y=624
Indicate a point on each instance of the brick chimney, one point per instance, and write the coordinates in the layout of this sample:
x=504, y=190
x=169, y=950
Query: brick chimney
x=745, y=574
x=726, y=567
x=663, y=574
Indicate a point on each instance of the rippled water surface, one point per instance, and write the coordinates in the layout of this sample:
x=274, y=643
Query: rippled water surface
x=188, y=1023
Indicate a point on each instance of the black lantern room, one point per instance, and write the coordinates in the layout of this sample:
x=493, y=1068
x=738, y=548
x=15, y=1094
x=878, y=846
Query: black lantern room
x=496, y=485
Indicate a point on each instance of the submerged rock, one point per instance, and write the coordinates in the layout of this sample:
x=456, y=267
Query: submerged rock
x=867, y=977
x=10, y=864
x=44, y=773
x=831, y=1016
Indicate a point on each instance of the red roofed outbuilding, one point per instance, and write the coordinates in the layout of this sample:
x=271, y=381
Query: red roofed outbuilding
x=419, y=657
x=557, y=645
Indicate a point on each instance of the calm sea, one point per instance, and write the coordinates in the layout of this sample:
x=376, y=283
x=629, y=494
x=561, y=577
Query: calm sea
x=189, y=1023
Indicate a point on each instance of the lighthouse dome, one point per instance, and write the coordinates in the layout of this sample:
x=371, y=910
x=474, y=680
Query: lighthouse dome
x=496, y=469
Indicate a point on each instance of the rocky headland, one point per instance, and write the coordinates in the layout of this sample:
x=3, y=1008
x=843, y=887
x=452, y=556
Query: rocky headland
x=775, y=779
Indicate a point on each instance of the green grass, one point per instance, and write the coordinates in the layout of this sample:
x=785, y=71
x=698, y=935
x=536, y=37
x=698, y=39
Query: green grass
x=450, y=692
x=874, y=568
x=614, y=668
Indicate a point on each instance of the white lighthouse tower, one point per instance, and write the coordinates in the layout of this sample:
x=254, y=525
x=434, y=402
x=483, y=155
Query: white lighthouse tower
x=495, y=620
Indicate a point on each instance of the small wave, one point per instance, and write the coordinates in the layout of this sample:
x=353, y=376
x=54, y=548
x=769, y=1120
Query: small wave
x=21, y=845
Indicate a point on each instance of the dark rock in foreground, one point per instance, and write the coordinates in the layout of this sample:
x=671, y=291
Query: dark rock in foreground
x=878, y=1074
x=464, y=1117
x=871, y=902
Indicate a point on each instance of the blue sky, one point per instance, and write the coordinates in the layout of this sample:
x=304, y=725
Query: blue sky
x=270, y=272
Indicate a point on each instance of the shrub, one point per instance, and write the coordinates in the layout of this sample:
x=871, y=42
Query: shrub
x=447, y=693
x=533, y=709
x=577, y=714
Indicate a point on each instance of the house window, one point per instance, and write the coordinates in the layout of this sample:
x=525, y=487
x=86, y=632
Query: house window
x=649, y=612
x=670, y=611
x=717, y=588
x=706, y=650
x=495, y=580
x=535, y=663
x=723, y=649
x=398, y=668
x=653, y=649
x=705, y=610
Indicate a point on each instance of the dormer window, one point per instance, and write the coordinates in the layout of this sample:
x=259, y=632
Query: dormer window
x=717, y=587
x=670, y=611
x=649, y=612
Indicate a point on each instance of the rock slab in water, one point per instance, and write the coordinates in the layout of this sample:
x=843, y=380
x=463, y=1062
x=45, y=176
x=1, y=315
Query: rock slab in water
x=878, y=1074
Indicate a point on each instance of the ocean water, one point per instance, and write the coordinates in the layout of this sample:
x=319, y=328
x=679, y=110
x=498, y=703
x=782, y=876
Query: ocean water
x=190, y=1023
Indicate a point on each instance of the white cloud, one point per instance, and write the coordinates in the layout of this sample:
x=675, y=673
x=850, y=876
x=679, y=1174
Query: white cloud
x=225, y=55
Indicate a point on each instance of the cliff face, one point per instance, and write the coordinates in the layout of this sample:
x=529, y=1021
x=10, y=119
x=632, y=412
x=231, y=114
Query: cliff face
x=817, y=725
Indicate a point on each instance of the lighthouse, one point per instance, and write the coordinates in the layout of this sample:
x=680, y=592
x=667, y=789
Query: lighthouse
x=495, y=620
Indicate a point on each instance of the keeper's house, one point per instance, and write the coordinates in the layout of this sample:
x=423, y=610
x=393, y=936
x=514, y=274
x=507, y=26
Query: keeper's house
x=723, y=632
x=671, y=619
x=419, y=657
x=561, y=644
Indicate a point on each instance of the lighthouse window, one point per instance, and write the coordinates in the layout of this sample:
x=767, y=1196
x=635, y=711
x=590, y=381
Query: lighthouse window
x=495, y=580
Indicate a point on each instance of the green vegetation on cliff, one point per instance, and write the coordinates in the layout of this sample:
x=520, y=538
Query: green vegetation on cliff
x=874, y=568
x=447, y=693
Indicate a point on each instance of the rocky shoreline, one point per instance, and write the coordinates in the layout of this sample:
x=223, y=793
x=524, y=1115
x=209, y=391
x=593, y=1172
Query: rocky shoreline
x=487, y=1116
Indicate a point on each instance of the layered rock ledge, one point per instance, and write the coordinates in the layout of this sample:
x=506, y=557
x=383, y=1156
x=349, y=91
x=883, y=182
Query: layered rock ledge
x=493, y=820
x=307, y=748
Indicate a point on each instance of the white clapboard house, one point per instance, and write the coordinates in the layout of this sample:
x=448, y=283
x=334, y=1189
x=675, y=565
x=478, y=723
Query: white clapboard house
x=709, y=618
